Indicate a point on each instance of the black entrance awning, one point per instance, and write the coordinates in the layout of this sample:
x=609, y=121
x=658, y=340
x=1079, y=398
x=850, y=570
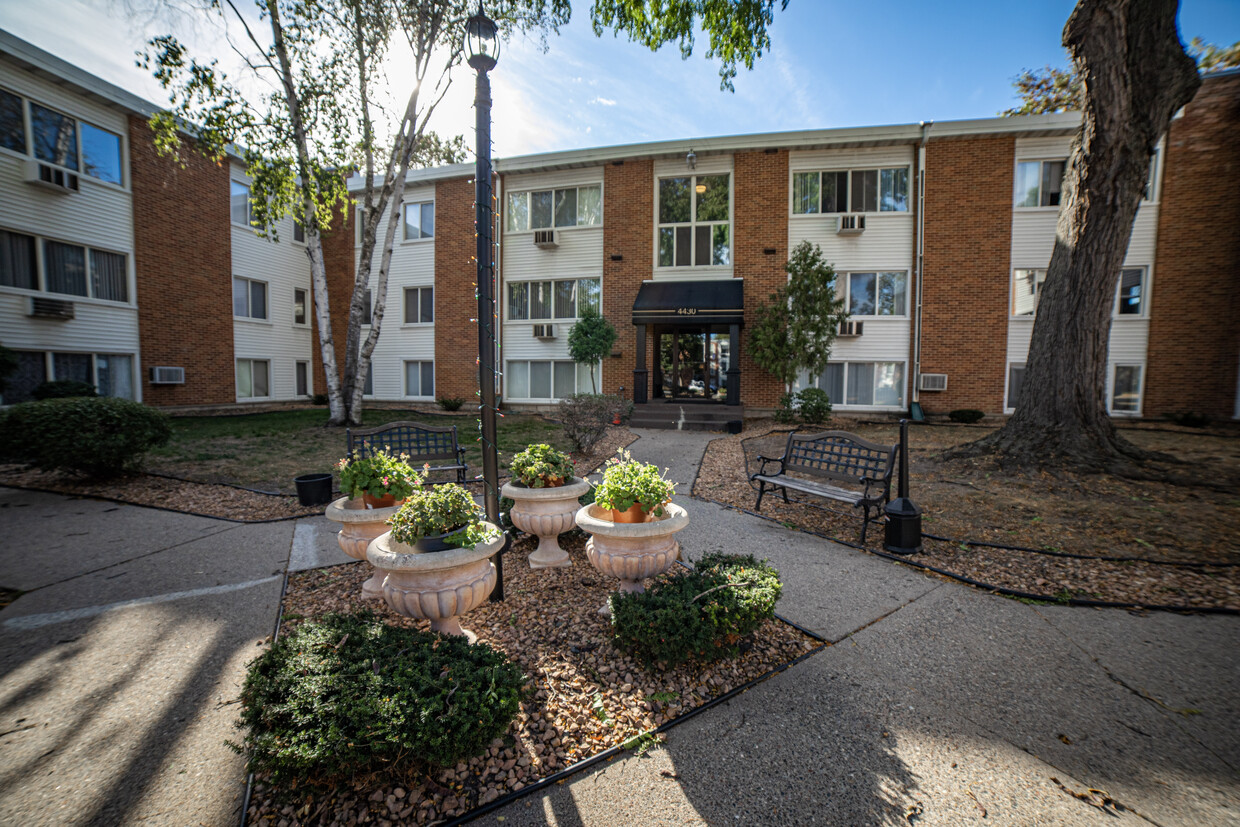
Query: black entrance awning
x=721, y=301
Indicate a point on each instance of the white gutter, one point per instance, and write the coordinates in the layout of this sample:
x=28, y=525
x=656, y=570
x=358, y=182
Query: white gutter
x=920, y=255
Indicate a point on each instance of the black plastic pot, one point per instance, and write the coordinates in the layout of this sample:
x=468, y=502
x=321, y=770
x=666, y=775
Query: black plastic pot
x=314, y=489
x=436, y=542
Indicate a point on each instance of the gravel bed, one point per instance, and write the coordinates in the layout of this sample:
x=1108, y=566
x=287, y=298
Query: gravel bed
x=1080, y=514
x=585, y=696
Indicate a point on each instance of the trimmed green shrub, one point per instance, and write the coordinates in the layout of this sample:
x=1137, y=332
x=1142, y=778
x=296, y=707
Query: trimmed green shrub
x=786, y=413
x=450, y=403
x=349, y=695
x=813, y=406
x=63, y=389
x=702, y=615
x=1190, y=419
x=96, y=436
x=319, y=399
x=966, y=415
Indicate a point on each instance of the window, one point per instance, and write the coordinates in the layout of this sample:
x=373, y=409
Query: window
x=12, y=122
x=368, y=307
x=299, y=232
x=31, y=371
x=546, y=379
x=420, y=379
x=1026, y=288
x=252, y=376
x=694, y=216
x=876, y=294
x=239, y=203
x=543, y=209
x=299, y=306
x=18, y=267
x=1016, y=380
x=1039, y=183
x=864, y=383
x=1130, y=291
x=65, y=268
x=565, y=299
x=419, y=305
x=419, y=221
x=872, y=190
x=114, y=375
x=1126, y=389
x=55, y=137
x=301, y=378
x=368, y=387
x=101, y=153
x=249, y=298
x=109, y=277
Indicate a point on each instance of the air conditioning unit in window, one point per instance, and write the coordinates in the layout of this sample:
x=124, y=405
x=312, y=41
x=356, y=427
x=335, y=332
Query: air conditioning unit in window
x=933, y=382
x=545, y=239
x=850, y=329
x=44, y=308
x=46, y=175
x=544, y=331
x=850, y=225
x=167, y=376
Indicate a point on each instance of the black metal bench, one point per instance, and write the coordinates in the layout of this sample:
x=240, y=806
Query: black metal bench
x=837, y=456
x=425, y=444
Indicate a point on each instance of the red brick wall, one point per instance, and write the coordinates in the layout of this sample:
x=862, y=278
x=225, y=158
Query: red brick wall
x=456, y=272
x=628, y=231
x=339, y=265
x=760, y=213
x=183, y=262
x=1195, y=300
x=968, y=243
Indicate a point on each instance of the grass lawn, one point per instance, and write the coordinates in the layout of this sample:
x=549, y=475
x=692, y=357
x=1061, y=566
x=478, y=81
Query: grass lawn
x=267, y=450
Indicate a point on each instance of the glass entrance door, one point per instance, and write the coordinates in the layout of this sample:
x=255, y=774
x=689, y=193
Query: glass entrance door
x=692, y=364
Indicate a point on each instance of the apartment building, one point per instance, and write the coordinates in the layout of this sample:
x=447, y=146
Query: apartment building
x=145, y=277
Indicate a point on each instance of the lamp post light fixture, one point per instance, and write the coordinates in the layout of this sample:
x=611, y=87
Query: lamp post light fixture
x=482, y=51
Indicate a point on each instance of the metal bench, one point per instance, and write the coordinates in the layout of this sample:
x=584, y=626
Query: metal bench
x=425, y=444
x=839, y=457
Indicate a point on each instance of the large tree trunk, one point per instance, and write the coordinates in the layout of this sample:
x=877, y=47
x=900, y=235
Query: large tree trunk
x=1136, y=75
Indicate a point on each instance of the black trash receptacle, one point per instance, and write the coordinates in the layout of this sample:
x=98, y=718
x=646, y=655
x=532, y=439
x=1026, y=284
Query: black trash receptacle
x=314, y=489
x=735, y=426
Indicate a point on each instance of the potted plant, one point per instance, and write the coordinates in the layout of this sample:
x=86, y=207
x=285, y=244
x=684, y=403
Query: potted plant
x=633, y=491
x=545, y=500
x=440, y=518
x=380, y=479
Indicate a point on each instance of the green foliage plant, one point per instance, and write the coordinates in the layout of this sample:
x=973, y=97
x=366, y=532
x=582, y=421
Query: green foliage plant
x=786, y=410
x=319, y=399
x=442, y=509
x=94, y=436
x=794, y=330
x=541, y=466
x=703, y=615
x=627, y=482
x=63, y=389
x=378, y=474
x=813, y=406
x=966, y=416
x=590, y=340
x=451, y=403
x=348, y=696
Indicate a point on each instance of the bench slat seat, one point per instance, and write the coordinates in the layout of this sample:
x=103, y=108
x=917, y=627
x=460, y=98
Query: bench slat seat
x=854, y=470
x=425, y=444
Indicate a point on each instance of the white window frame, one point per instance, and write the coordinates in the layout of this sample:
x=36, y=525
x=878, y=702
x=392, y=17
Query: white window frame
x=1037, y=296
x=1112, y=371
x=252, y=361
x=1041, y=173
x=904, y=378
x=303, y=364
x=405, y=377
x=298, y=229
x=693, y=224
x=404, y=224
x=418, y=288
x=1145, y=295
x=1115, y=314
x=843, y=287
x=249, y=203
x=527, y=195
x=577, y=378
x=552, y=318
x=818, y=212
x=28, y=134
x=266, y=302
x=305, y=307
x=1007, y=382
x=40, y=272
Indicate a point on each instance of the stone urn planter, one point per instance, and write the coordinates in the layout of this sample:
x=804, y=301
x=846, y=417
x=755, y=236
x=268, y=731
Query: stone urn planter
x=632, y=551
x=359, y=526
x=438, y=586
x=546, y=513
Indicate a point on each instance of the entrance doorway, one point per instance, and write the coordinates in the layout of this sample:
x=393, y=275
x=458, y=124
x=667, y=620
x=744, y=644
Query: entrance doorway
x=691, y=363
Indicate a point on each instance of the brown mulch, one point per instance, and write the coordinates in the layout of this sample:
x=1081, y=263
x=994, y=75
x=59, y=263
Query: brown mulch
x=1064, y=511
x=225, y=501
x=586, y=695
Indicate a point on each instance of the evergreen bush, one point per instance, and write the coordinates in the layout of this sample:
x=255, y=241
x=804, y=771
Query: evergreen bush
x=966, y=416
x=813, y=406
x=95, y=436
x=63, y=389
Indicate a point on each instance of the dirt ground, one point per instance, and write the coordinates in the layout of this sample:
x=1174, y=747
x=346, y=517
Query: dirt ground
x=1193, y=520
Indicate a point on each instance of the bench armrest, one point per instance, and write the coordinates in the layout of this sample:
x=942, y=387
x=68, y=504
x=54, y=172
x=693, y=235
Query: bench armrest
x=763, y=460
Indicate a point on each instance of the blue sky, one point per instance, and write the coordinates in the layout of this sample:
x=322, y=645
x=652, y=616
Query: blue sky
x=831, y=64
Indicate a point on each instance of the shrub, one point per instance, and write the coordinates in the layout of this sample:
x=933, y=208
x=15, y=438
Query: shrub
x=63, y=389
x=541, y=464
x=378, y=474
x=627, y=483
x=96, y=436
x=786, y=413
x=505, y=514
x=585, y=417
x=348, y=695
x=450, y=403
x=813, y=405
x=966, y=415
x=702, y=615
x=1190, y=419
x=442, y=509
x=319, y=399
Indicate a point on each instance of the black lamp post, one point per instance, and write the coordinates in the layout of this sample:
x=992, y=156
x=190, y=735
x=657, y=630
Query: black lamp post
x=482, y=50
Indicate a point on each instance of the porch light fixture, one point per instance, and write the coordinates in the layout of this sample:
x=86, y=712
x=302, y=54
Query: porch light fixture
x=701, y=188
x=691, y=160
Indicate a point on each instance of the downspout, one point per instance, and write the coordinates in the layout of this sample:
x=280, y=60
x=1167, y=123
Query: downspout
x=919, y=255
x=501, y=301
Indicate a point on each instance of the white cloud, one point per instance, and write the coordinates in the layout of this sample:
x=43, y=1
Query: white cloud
x=604, y=101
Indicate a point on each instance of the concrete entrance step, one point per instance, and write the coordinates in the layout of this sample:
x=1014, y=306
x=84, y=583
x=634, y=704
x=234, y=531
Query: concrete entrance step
x=687, y=417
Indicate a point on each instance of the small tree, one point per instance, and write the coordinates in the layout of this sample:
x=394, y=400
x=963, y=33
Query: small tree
x=795, y=329
x=590, y=340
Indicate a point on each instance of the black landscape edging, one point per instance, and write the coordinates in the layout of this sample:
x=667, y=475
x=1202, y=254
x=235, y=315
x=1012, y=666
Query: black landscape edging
x=107, y=499
x=1070, y=555
x=275, y=633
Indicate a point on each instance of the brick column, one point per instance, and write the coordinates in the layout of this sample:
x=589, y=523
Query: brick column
x=456, y=337
x=628, y=232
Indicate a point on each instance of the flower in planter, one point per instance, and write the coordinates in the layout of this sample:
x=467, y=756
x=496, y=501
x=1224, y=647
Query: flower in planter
x=442, y=510
x=378, y=474
x=627, y=482
x=541, y=466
